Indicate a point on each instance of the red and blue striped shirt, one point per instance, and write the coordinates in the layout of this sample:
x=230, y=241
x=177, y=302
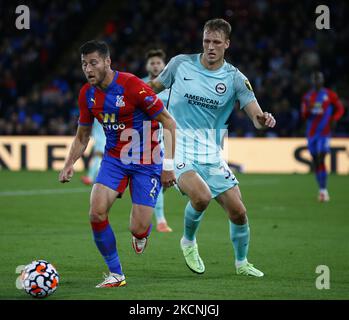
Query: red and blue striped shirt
x=126, y=109
x=319, y=109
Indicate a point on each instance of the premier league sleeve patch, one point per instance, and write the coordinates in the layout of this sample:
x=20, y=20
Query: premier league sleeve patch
x=248, y=85
x=147, y=100
x=150, y=101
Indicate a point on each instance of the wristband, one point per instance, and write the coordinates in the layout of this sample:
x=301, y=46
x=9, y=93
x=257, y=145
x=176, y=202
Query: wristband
x=168, y=165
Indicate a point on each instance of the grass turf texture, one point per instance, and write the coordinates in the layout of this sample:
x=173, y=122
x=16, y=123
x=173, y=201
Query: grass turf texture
x=291, y=234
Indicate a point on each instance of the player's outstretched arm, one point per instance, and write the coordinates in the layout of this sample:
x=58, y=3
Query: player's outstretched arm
x=77, y=149
x=156, y=85
x=168, y=177
x=260, y=119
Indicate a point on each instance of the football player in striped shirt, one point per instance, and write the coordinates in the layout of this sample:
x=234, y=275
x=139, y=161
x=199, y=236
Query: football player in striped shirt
x=321, y=109
x=129, y=112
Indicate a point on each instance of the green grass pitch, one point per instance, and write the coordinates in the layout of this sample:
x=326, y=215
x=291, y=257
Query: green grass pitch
x=291, y=234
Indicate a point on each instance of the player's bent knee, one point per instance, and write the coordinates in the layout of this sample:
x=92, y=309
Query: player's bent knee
x=201, y=202
x=97, y=216
x=238, y=215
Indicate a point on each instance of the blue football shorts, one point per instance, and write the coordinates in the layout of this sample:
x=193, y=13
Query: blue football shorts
x=143, y=179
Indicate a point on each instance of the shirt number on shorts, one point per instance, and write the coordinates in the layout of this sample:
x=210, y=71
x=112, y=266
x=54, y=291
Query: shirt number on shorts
x=227, y=173
x=153, y=189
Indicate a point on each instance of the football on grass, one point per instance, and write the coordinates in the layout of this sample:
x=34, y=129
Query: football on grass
x=40, y=279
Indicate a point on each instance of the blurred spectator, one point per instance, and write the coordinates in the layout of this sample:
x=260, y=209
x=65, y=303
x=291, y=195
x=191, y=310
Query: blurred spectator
x=275, y=43
x=286, y=118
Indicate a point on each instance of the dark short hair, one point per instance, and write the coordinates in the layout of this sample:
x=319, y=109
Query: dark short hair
x=218, y=25
x=156, y=53
x=95, y=46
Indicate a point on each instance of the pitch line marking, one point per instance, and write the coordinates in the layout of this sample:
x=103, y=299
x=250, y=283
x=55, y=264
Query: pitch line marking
x=41, y=192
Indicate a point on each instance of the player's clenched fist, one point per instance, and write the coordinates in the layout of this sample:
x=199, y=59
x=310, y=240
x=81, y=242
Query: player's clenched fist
x=267, y=120
x=66, y=174
x=168, y=178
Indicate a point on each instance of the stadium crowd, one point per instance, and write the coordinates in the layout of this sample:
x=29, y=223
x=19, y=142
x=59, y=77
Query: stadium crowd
x=274, y=43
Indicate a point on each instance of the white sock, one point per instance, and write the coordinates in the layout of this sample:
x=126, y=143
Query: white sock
x=238, y=264
x=186, y=242
x=161, y=220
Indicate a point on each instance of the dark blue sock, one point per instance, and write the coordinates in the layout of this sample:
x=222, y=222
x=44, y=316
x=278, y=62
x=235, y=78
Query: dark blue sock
x=321, y=176
x=323, y=180
x=106, y=244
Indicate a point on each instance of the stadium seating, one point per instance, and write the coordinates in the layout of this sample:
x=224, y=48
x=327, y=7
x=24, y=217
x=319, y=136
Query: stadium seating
x=277, y=54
